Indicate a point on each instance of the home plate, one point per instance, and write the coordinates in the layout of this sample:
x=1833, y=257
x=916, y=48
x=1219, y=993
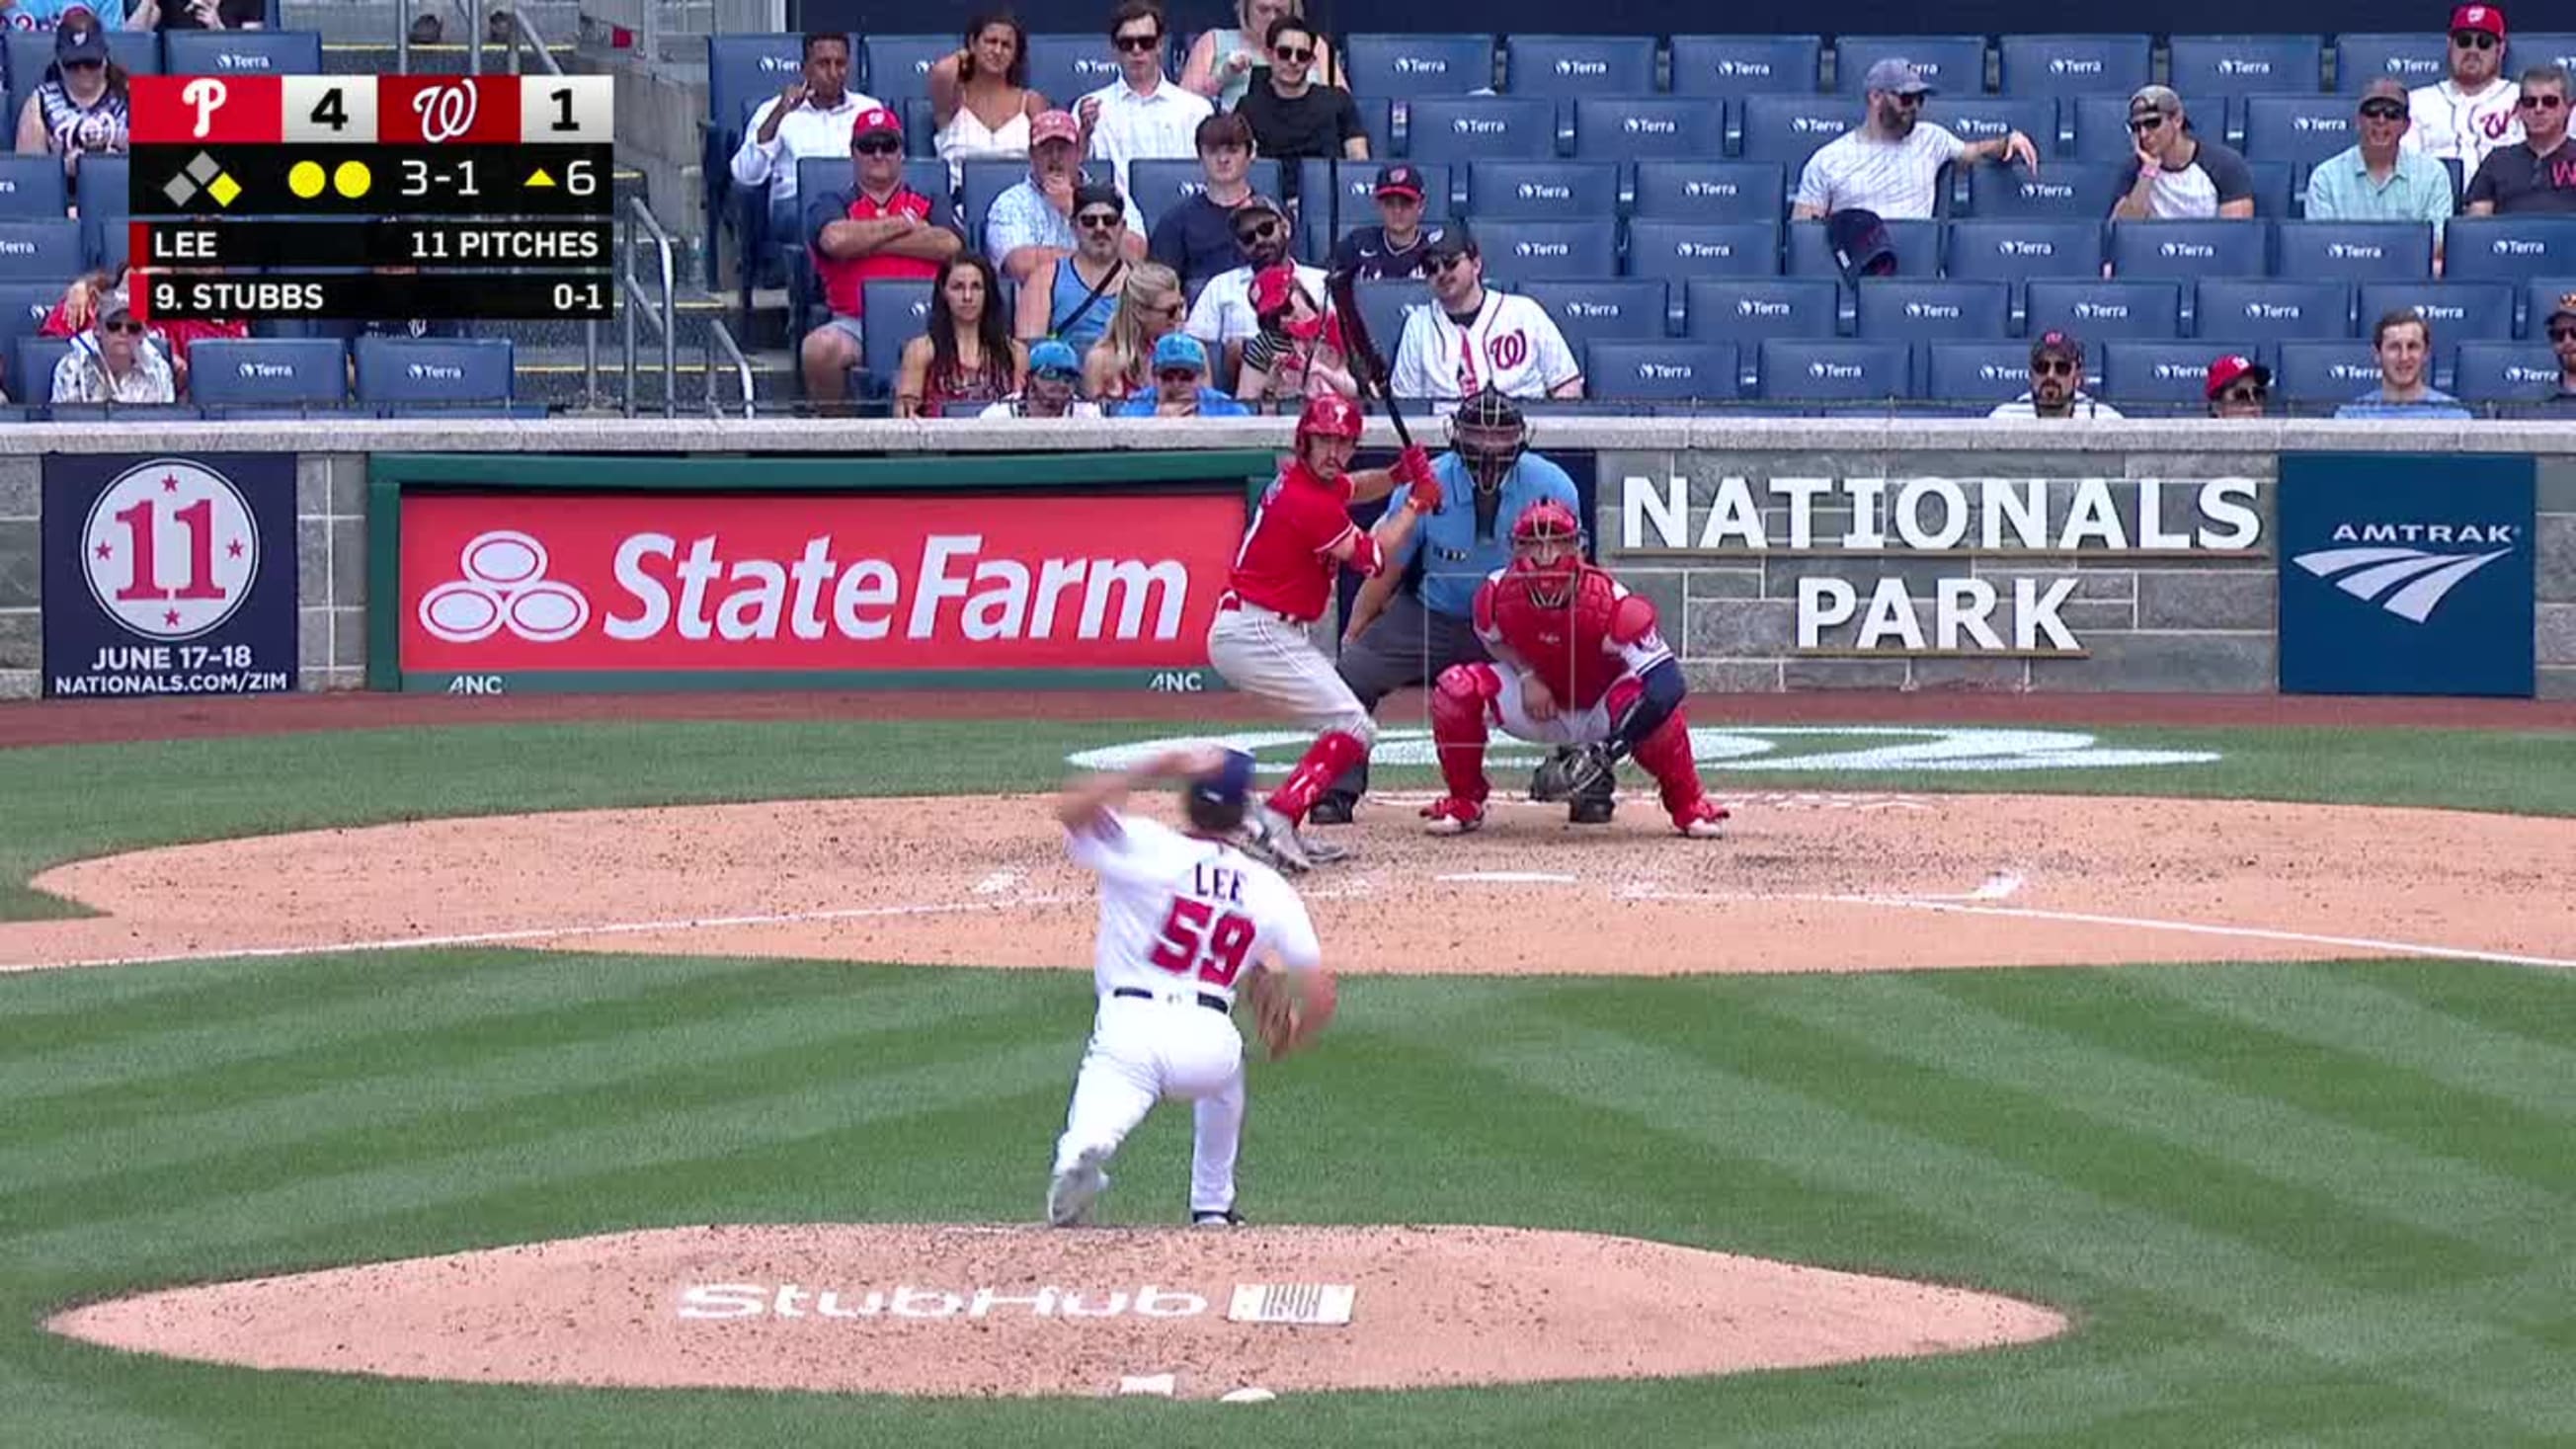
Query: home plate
x=1513, y=877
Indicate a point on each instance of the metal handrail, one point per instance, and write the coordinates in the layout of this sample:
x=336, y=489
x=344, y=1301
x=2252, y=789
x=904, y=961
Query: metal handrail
x=640, y=220
x=525, y=37
x=720, y=339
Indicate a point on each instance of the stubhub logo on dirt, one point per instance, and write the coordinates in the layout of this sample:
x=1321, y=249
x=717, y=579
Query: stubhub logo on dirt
x=2407, y=574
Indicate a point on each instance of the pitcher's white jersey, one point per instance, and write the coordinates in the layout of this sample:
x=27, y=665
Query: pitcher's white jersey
x=1183, y=911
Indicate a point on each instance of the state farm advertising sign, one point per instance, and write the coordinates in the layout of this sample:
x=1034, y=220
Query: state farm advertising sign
x=495, y=583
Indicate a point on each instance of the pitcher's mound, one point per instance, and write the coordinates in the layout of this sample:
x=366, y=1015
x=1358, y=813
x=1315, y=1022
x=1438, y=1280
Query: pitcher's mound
x=1199, y=1313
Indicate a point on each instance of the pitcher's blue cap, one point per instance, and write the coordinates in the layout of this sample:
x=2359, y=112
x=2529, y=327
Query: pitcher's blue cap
x=1230, y=786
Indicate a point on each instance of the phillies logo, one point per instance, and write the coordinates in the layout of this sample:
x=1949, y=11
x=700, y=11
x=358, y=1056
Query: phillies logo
x=208, y=96
x=446, y=112
x=1508, y=350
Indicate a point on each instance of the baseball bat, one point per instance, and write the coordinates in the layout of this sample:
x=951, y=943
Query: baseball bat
x=1345, y=287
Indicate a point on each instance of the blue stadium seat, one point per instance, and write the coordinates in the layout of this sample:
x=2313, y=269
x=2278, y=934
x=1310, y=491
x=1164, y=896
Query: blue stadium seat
x=1788, y=129
x=2074, y=65
x=434, y=376
x=2166, y=374
x=1066, y=65
x=1988, y=118
x=1476, y=128
x=1662, y=371
x=1710, y=191
x=2410, y=57
x=30, y=52
x=1579, y=65
x=899, y=66
x=1910, y=310
x=106, y=244
x=985, y=180
x=103, y=188
x=2190, y=249
x=1753, y=308
x=1648, y=128
x=2508, y=248
x=1359, y=189
x=2540, y=298
x=24, y=305
x=131, y=413
x=2539, y=47
x=1528, y=251
x=2354, y=251
x=2062, y=191
x=1792, y=370
x=1986, y=373
x=268, y=373
x=2012, y=251
x=2502, y=372
x=818, y=174
x=2207, y=68
x=2279, y=311
x=31, y=368
x=2276, y=189
x=890, y=315
x=1917, y=244
x=1746, y=65
x=1542, y=190
x=1384, y=304
x=2302, y=130
x=31, y=188
x=1954, y=63
x=1381, y=64
x=242, y=52
x=1627, y=310
x=2456, y=311
x=1161, y=185
x=1680, y=250
x=2101, y=126
x=2326, y=372
x=920, y=127
x=2100, y=311
x=40, y=251
x=1377, y=118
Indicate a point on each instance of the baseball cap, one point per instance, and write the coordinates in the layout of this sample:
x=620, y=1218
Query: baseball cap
x=78, y=38
x=1054, y=126
x=1452, y=240
x=1180, y=349
x=1272, y=286
x=1896, y=75
x=2155, y=101
x=875, y=121
x=1229, y=787
x=1098, y=193
x=2566, y=308
x=2478, y=17
x=1053, y=357
x=1400, y=180
x=1862, y=247
x=2054, y=343
x=2233, y=366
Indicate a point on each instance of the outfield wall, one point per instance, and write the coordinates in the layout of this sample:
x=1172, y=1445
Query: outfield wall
x=1785, y=554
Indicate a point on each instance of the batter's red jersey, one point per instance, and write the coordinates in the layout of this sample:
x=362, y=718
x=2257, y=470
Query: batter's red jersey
x=1286, y=561
x=1578, y=652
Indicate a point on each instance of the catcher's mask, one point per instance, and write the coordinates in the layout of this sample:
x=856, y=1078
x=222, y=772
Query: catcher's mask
x=1488, y=433
x=1547, y=552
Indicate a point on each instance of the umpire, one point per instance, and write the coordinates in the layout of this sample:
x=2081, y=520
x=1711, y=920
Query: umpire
x=1486, y=478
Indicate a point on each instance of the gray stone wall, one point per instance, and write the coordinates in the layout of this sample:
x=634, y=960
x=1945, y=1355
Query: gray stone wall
x=2556, y=587
x=22, y=642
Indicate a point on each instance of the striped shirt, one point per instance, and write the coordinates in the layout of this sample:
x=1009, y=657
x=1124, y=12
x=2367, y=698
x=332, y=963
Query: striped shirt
x=1893, y=178
x=1163, y=126
x=2342, y=189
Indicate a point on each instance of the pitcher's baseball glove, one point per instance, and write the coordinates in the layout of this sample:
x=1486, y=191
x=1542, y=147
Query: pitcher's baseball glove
x=1282, y=1015
x=1572, y=770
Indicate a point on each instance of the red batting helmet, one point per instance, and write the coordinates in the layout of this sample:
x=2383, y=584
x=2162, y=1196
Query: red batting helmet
x=1329, y=415
x=1547, y=522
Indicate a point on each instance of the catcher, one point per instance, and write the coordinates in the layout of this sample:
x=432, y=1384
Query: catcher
x=1577, y=662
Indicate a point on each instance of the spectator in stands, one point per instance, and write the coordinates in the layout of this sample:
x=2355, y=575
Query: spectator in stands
x=980, y=96
x=1221, y=61
x=2470, y=112
x=1890, y=161
x=1049, y=392
x=1181, y=387
x=1297, y=354
x=966, y=356
x=2378, y=179
x=2536, y=176
x=82, y=106
x=1292, y=116
x=2239, y=387
x=112, y=364
x=877, y=231
x=2562, y=341
x=1474, y=336
x=1141, y=115
x=1030, y=227
x=811, y=117
x=1075, y=298
x=2404, y=342
x=1399, y=246
x=2180, y=176
x=77, y=311
x=1149, y=309
x=1224, y=317
x=427, y=29
x=201, y=15
x=2056, y=383
x=1196, y=237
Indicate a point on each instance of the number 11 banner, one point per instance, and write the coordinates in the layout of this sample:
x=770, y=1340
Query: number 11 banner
x=168, y=575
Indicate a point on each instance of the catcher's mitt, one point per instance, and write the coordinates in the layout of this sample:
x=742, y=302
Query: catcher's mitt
x=1571, y=771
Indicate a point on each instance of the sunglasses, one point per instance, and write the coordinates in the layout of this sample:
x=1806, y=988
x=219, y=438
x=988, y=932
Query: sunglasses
x=1259, y=231
x=2543, y=103
x=2149, y=124
x=2473, y=40
x=1055, y=374
x=1101, y=220
x=1445, y=262
x=2383, y=111
x=84, y=65
x=1138, y=44
x=1177, y=375
x=2244, y=393
x=2561, y=334
x=1293, y=54
x=1907, y=99
x=2052, y=367
x=876, y=146
x=129, y=325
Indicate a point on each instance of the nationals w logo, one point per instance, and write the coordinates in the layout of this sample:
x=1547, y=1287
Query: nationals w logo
x=446, y=112
x=2413, y=580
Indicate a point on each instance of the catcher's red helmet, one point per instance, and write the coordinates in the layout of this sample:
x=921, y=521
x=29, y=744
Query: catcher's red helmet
x=1547, y=522
x=1329, y=415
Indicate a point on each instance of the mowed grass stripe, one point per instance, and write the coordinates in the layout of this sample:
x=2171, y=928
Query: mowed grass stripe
x=51, y=1413
x=2149, y=1085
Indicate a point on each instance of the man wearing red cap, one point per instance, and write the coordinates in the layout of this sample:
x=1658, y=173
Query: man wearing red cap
x=878, y=230
x=2469, y=112
x=1401, y=245
x=2239, y=387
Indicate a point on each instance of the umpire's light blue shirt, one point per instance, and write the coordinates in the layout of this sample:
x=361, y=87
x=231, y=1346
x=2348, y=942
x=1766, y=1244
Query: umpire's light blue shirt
x=1458, y=560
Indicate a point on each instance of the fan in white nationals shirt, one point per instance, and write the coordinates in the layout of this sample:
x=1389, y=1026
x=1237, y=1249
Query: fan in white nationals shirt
x=1508, y=342
x=2469, y=113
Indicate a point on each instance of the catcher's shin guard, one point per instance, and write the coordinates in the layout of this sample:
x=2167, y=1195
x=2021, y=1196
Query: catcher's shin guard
x=1459, y=700
x=1332, y=752
x=1666, y=755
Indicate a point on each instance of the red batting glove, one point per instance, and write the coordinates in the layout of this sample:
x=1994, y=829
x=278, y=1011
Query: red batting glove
x=1413, y=469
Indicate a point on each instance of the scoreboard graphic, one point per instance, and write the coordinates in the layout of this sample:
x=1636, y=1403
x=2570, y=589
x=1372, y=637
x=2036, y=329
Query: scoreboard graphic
x=336, y=197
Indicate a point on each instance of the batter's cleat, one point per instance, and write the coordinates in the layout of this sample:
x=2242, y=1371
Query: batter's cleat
x=1331, y=810
x=1450, y=815
x=1322, y=852
x=1589, y=810
x=1227, y=1219
x=1704, y=820
x=1074, y=1190
x=1271, y=839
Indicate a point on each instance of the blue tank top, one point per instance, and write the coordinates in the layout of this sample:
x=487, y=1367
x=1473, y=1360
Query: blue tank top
x=1074, y=324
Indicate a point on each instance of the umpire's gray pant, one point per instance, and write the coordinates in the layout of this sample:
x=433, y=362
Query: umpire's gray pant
x=1408, y=644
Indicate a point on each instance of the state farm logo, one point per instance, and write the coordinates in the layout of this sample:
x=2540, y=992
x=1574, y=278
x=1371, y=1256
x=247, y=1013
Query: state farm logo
x=170, y=549
x=446, y=112
x=2408, y=582
x=505, y=587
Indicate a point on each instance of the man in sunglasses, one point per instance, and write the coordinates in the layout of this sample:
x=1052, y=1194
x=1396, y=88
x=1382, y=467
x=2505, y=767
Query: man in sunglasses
x=1292, y=117
x=1473, y=337
x=2470, y=112
x=877, y=231
x=1051, y=389
x=1075, y=298
x=2378, y=179
x=2536, y=177
x=1143, y=115
x=2562, y=342
x=2239, y=387
x=2056, y=383
x=111, y=363
x=1891, y=162
x=1223, y=317
x=2180, y=176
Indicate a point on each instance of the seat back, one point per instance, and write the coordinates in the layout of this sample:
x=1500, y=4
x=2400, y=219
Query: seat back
x=2103, y=311
x=1527, y=251
x=1750, y=309
x=459, y=371
x=2061, y=191
x=1542, y=190
x=2302, y=130
x=891, y=314
x=2354, y=251
x=1384, y=304
x=1680, y=250
x=1917, y=245
x=1746, y=65
x=1787, y=129
x=2166, y=374
x=1644, y=128
x=1359, y=189
x=1160, y=185
x=2542, y=47
x=1986, y=373
x=2492, y=371
x=2410, y=57
x=1382, y=64
x=1461, y=129
x=269, y=372
x=816, y=175
x=2325, y=372
x=744, y=70
x=104, y=188
x=2209, y=68
x=1990, y=118
x=2276, y=310
x=2508, y=248
x=41, y=250
x=1624, y=310
x=2454, y=311
x=1956, y=64
x=1066, y=65
x=2101, y=126
x=31, y=368
x=2012, y=251
x=242, y=52
x=32, y=189
x=1710, y=191
x=1911, y=310
x=1661, y=371
x=30, y=52
x=2073, y=65
x=1795, y=370
x=2190, y=249
x=899, y=67
x=1579, y=65
x=985, y=180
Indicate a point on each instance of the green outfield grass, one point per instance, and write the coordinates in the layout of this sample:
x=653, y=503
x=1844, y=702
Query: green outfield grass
x=2287, y=1205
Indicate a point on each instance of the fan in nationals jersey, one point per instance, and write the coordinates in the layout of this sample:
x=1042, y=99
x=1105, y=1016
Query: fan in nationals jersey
x=1281, y=584
x=1474, y=337
x=1183, y=916
x=1577, y=661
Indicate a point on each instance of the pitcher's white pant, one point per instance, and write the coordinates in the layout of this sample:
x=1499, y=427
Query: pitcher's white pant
x=1264, y=653
x=1143, y=1051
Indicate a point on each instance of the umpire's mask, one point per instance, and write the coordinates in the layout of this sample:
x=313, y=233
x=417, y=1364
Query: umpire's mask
x=1489, y=435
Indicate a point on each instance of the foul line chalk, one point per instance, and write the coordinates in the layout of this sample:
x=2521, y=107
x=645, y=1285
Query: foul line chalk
x=1513, y=877
x=2255, y=933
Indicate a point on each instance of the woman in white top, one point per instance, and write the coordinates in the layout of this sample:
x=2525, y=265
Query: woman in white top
x=980, y=97
x=1220, y=62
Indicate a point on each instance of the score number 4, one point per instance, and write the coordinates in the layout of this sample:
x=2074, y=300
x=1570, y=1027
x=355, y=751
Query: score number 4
x=1196, y=937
